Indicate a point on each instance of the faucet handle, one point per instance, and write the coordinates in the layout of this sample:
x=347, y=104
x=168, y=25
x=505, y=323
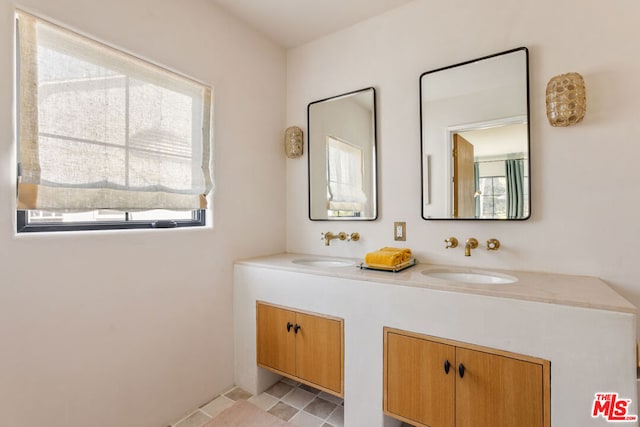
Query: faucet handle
x=342, y=235
x=451, y=242
x=354, y=236
x=493, y=244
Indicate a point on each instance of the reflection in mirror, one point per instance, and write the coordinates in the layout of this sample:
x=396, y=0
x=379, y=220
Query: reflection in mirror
x=342, y=157
x=475, y=139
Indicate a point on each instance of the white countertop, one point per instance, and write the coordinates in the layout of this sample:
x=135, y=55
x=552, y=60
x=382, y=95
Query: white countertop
x=579, y=291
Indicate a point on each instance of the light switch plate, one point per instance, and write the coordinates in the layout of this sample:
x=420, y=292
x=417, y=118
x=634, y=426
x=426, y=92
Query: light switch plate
x=400, y=231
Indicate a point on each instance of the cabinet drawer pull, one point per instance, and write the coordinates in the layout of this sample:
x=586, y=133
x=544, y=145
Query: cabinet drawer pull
x=296, y=328
x=289, y=326
x=461, y=370
x=447, y=365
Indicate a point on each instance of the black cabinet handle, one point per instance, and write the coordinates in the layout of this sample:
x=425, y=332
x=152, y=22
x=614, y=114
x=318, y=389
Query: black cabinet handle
x=461, y=370
x=447, y=365
x=296, y=328
x=289, y=326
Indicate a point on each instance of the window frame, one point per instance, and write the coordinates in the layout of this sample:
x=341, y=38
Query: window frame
x=23, y=226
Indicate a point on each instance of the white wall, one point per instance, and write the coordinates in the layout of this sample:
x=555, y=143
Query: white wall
x=584, y=178
x=134, y=328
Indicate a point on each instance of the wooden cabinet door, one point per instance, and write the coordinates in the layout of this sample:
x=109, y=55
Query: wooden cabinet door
x=275, y=344
x=417, y=388
x=498, y=391
x=319, y=351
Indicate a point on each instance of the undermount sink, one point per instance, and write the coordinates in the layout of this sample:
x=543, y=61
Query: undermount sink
x=479, y=277
x=323, y=262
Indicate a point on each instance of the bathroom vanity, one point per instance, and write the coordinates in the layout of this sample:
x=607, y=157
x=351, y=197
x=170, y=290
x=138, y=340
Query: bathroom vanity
x=574, y=335
x=305, y=347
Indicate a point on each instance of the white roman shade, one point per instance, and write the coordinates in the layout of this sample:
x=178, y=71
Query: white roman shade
x=345, y=172
x=101, y=129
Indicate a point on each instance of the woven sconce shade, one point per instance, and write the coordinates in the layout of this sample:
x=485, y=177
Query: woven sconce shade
x=566, y=99
x=293, y=142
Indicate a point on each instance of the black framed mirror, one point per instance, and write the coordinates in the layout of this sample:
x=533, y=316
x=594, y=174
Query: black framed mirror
x=474, y=124
x=342, y=157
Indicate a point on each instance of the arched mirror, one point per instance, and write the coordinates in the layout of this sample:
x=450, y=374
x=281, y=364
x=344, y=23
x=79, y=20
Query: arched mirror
x=474, y=119
x=342, y=157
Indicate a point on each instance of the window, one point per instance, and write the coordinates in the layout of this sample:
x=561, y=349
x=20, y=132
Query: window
x=493, y=197
x=501, y=188
x=106, y=140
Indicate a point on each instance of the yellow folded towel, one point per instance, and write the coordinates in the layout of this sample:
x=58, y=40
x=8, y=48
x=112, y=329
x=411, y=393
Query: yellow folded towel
x=406, y=252
x=383, y=258
x=388, y=257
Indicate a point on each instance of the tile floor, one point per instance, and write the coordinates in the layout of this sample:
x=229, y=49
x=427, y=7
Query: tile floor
x=301, y=405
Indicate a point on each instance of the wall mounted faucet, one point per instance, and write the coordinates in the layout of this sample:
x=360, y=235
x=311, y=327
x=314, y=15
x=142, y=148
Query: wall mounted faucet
x=471, y=243
x=329, y=236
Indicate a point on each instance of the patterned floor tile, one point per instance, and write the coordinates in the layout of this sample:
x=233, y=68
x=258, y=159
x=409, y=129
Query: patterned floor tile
x=238, y=394
x=283, y=411
x=303, y=419
x=337, y=417
x=264, y=401
x=320, y=408
x=300, y=404
x=279, y=389
x=216, y=406
x=298, y=398
x=196, y=419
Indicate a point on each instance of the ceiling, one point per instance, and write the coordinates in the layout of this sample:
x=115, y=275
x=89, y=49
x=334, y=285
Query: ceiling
x=292, y=23
x=499, y=140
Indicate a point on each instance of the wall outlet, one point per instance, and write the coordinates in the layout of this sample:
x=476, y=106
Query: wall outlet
x=400, y=231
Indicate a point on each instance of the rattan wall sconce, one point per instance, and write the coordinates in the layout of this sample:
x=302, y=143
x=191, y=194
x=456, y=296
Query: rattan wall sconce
x=566, y=99
x=293, y=142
